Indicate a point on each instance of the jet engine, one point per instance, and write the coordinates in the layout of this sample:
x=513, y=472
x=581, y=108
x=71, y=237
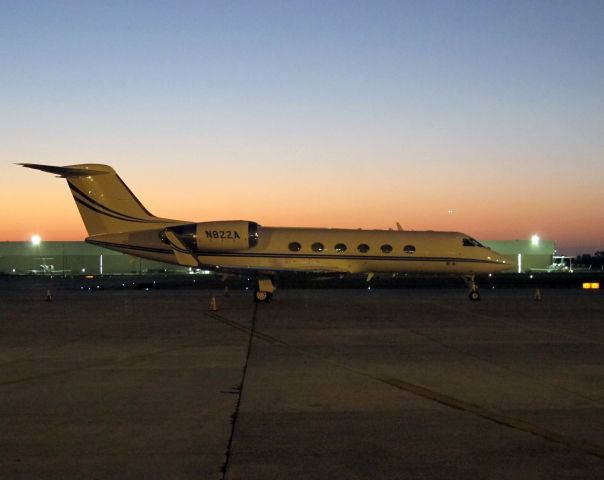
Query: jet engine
x=220, y=236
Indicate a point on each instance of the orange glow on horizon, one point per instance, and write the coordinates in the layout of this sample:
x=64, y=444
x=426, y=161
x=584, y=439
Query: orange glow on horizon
x=58, y=219
x=483, y=210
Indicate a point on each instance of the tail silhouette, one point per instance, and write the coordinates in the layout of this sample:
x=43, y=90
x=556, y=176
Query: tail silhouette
x=105, y=202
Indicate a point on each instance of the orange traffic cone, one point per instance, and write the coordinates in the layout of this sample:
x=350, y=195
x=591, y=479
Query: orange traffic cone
x=537, y=296
x=213, y=304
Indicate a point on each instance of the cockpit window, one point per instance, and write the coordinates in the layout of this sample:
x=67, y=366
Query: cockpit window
x=470, y=242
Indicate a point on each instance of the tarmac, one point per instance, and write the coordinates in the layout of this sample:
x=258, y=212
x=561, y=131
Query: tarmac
x=320, y=383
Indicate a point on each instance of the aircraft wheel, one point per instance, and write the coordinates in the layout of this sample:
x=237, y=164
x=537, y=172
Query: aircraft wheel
x=262, y=296
x=474, y=295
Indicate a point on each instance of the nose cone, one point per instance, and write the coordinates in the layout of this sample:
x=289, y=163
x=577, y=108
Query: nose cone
x=501, y=262
x=505, y=266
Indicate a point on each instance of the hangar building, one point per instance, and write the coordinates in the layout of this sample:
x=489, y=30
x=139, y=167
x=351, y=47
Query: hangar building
x=74, y=258
x=528, y=255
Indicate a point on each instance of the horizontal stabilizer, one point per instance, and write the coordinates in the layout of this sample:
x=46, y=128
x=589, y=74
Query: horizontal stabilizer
x=64, y=172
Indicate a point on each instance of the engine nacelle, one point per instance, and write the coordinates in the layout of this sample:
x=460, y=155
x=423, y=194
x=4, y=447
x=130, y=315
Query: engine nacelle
x=221, y=236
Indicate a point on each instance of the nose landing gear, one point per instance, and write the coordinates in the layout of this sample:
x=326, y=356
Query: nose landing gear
x=473, y=295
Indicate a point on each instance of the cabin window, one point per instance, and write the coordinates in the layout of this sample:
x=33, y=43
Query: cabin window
x=386, y=248
x=339, y=247
x=294, y=247
x=363, y=248
x=409, y=249
x=317, y=247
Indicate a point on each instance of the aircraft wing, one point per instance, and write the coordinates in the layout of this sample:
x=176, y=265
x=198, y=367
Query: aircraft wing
x=183, y=255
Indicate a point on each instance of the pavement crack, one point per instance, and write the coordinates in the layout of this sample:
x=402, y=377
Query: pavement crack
x=421, y=391
x=238, y=390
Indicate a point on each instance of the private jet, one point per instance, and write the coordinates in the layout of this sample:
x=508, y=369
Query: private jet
x=114, y=218
x=46, y=268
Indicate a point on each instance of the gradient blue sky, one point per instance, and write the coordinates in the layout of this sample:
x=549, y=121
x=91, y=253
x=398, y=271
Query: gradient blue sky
x=342, y=114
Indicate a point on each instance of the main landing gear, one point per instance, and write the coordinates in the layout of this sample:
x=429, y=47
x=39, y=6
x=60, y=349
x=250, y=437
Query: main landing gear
x=264, y=291
x=473, y=295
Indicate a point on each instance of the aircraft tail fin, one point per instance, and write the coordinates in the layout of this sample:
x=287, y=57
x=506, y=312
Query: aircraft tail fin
x=105, y=202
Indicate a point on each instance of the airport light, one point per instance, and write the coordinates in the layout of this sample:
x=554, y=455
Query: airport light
x=36, y=240
x=535, y=240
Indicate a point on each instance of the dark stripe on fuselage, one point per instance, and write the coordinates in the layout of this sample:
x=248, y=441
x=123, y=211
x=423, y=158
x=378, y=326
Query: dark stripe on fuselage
x=300, y=256
x=83, y=203
x=127, y=218
x=131, y=220
x=345, y=257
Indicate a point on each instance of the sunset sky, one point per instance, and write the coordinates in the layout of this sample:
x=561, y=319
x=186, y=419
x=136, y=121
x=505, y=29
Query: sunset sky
x=480, y=117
